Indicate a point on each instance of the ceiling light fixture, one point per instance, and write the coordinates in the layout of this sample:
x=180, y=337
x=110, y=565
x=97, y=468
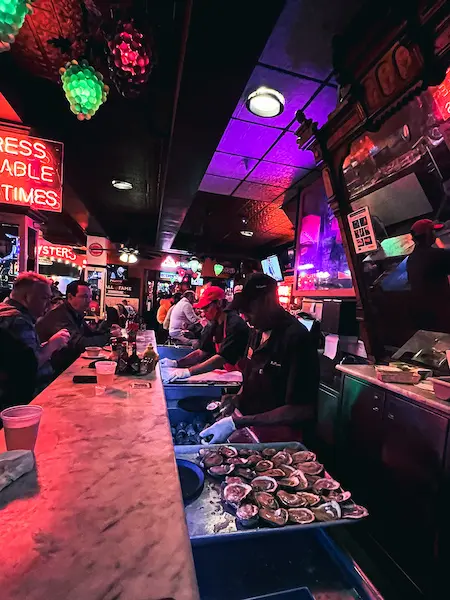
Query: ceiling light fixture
x=128, y=255
x=247, y=233
x=265, y=102
x=119, y=184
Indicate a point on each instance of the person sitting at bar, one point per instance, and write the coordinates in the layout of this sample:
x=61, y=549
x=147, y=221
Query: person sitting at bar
x=278, y=398
x=176, y=298
x=223, y=342
x=29, y=300
x=428, y=270
x=181, y=317
x=70, y=315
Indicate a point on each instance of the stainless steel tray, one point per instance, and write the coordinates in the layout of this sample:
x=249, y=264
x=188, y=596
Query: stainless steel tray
x=208, y=521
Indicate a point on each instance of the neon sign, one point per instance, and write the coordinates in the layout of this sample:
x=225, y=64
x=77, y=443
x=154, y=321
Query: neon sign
x=55, y=252
x=30, y=171
x=441, y=97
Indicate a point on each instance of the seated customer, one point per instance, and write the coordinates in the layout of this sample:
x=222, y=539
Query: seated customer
x=29, y=299
x=181, y=317
x=70, y=315
x=223, y=342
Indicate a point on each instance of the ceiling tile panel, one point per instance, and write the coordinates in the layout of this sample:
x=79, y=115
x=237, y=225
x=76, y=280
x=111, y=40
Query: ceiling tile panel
x=296, y=91
x=319, y=109
x=287, y=152
x=274, y=174
x=230, y=165
x=257, y=191
x=218, y=185
x=247, y=139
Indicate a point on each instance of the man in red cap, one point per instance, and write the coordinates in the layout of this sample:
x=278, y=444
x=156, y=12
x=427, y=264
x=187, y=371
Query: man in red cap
x=222, y=345
x=428, y=269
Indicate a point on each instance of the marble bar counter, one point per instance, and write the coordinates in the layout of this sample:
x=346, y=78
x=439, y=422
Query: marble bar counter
x=102, y=517
x=414, y=393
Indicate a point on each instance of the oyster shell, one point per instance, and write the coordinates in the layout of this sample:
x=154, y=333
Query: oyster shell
x=301, y=516
x=269, y=452
x=311, y=479
x=237, y=460
x=265, y=500
x=326, y=484
x=310, y=499
x=329, y=511
x=303, y=456
x=287, y=470
x=228, y=451
x=275, y=518
x=290, y=500
x=235, y=493
x=290, y=450
x=311, y=468
x=277, y=473
x=339, y=496
x=211, y=460
x=263, y=465
x=354, y=512
x=221, y=470
x=203, y=451
x=247, y=515
x=264, y=484
x=282, y=458
x=245, y=452
x=233, y=479
x=244, y=473
x=289, y=483
x=253, y=460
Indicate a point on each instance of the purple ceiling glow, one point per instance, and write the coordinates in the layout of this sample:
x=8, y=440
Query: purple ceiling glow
x=287, y=152
x=218, y=185
x=276, y=175
x=229, y=165
x=321, y=106
x=296, y=92
x=247, y=139
x=258, y=191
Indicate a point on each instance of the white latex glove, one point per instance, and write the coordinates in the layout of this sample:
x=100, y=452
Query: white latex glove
x=221, y=430
x=176, y=375
x=168, y=362
x=59, y=340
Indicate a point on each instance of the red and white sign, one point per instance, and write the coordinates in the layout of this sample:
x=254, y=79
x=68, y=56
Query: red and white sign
x=30, y=171
x=54, y=253
x=97, y=250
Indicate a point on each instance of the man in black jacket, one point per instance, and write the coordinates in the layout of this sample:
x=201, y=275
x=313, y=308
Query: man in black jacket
x=70, y=315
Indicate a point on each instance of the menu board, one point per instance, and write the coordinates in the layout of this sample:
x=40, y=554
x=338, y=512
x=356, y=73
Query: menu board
x=362, y=230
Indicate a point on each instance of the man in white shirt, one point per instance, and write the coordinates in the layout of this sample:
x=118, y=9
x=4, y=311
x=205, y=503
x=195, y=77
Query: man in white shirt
x=181, y=316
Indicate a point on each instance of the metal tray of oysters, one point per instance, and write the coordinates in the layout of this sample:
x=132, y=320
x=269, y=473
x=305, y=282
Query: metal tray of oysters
x=256, y=489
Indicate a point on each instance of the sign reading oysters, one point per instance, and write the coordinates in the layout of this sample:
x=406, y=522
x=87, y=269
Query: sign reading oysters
x=30, y=171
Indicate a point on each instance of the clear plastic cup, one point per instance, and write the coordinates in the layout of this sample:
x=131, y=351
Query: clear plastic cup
x=21, y=426
x=105, y=372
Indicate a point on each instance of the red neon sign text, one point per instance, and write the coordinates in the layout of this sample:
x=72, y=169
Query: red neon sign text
x=64, y=252
x=441, y=97
x=30, y=171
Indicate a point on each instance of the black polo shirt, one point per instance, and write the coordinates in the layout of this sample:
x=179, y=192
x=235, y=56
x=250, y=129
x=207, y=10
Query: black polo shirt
x=232, y=336
x=283, y=370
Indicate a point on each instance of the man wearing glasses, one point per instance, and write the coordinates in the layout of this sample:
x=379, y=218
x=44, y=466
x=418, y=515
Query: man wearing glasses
x=70, y=315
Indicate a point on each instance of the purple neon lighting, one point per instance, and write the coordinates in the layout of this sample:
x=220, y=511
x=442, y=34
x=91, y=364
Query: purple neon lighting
x=229, y=165
x=321, y=107
x=218, y=185
x=287, y=152
x=247, y=139
x=275, y=174
x=257, y=191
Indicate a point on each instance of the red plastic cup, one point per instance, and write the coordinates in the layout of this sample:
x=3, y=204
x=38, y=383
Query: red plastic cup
x=21, y=426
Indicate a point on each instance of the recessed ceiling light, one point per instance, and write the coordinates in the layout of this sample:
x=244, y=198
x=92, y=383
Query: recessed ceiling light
x=122, y=185
x=247, y=233
x=265, y=102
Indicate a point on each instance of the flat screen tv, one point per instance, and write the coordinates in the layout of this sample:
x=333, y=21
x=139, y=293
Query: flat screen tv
x=271, y=267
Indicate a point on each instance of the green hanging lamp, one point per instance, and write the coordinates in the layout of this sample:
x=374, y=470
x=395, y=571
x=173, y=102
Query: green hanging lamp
x=12, y=17
x=84, y=88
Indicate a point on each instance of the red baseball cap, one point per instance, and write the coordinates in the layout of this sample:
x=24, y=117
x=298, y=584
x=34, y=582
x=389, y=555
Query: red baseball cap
x=423, y=226
x=209, y=295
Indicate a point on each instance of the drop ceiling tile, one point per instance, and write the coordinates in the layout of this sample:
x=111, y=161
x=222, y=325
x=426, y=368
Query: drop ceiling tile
x=287, y=152
x=257, y=191
x=218, y=185
x=296, y=91
x=274, y=174
x=319, y=109
x=247, y=139
x=301, y=40
x=230, y=165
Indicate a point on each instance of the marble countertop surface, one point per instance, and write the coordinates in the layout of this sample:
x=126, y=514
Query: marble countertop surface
x=412, y=392
x=102, y=518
